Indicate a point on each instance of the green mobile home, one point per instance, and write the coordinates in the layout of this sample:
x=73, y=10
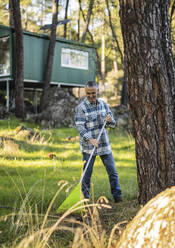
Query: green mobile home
x=74, y=63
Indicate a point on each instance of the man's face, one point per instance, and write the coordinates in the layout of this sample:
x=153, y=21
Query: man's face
x=91, y=93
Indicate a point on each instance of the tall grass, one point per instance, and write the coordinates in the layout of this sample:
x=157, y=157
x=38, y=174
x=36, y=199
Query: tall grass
x=30, y=193
x=29, y=228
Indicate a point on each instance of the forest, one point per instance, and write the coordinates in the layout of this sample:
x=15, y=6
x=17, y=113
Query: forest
x=135, y=49
x=95, y=23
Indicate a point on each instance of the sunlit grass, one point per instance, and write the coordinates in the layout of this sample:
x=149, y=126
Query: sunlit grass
x=33, y=157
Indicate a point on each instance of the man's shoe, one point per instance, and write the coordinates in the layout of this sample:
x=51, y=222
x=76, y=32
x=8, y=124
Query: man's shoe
x=118, y=199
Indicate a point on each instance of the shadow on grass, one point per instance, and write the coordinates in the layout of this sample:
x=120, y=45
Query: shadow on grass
x=60, y=156
x=33, y=148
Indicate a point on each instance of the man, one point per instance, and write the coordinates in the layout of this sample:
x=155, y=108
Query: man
x=89, y=118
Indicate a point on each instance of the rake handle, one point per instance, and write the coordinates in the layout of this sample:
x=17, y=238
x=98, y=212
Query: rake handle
x=88, y=162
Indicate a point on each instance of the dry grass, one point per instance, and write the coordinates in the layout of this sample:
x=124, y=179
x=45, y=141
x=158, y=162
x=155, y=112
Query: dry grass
x=88, y=229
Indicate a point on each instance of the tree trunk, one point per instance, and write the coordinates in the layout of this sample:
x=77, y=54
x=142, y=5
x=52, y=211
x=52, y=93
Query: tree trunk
x=50, y=55
x=11, y=20
x=103, y=57
x=124, y=93
x=115, y=58
x=150, y=78
x=93, y=42
x=172, y=9
x=86, y=26
x=19, y=60
x=79, y=20
x=113, y=31
x=65, y=17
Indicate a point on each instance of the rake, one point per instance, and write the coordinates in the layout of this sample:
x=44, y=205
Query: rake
x=76, y=195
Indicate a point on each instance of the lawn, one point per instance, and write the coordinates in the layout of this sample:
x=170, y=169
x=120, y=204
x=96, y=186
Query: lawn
x=28, y=176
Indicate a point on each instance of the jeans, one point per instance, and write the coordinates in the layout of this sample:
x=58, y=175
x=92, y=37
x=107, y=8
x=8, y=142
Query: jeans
x=109, y=164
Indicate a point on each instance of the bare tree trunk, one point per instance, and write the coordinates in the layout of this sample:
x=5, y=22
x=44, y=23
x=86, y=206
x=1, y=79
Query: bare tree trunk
x=103, y=57
x=115, y=58
x=91, y=3
x=11, y=20
x=26, y=21
x=50, y=55
x=124, y=94
x=151, y=85
x=113, y=31
x=19, y=60
x=172, y=11
x=79, y=20
x=65, y=17
x=93, y=42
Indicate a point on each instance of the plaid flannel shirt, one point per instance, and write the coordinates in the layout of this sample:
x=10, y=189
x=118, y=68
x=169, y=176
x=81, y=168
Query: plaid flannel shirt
x=89, y=119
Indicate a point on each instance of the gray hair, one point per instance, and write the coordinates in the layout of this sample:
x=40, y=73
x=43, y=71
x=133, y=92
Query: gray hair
x=91, y=84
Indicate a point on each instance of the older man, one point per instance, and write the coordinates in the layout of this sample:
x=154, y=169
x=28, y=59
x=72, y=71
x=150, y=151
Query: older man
x=89, y=118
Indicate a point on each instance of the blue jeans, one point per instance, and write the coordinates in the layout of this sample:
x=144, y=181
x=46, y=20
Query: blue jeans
x=109, y=164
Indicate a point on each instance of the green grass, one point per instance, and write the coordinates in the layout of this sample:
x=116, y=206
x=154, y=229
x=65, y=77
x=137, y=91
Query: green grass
x=28, y=165
x=26, y=169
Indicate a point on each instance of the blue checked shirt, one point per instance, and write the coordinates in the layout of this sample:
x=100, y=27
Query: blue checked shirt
x=89, y=119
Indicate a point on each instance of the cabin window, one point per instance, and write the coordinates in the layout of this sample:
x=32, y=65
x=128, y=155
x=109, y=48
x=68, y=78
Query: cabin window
x=4, y=56
x=74, y=59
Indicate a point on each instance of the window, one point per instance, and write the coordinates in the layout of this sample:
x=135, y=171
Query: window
x=74, y=58
x=4, y=56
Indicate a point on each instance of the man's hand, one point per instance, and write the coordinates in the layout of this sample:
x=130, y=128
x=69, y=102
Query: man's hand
x=108, y=118
x=94, y=142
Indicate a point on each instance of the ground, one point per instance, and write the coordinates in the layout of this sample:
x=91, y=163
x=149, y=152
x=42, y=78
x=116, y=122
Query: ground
x=118, y=216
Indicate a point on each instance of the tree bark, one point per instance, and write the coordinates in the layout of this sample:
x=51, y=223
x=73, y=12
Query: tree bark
x=65, y=17
x=113, y=31
x=86, y=26
x=103, y=57
x=79, y=20
x=115, y=57
x=172, y=11
x=151, y=85
x=124, y=93
x=19, y=60
x=50, y=55
x=11, y=20
x=93, y=42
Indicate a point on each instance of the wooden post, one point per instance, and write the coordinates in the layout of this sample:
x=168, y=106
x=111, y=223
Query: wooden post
x=7, y=100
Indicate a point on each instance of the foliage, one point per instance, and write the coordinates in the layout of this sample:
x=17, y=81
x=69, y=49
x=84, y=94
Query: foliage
x=113, y=87
x=4, y=12
x=37, y=13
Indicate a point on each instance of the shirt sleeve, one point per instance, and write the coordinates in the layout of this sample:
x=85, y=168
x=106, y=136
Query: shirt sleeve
x=80, y=121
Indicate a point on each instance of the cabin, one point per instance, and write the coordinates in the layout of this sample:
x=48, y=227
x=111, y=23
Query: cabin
x=74, y=63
